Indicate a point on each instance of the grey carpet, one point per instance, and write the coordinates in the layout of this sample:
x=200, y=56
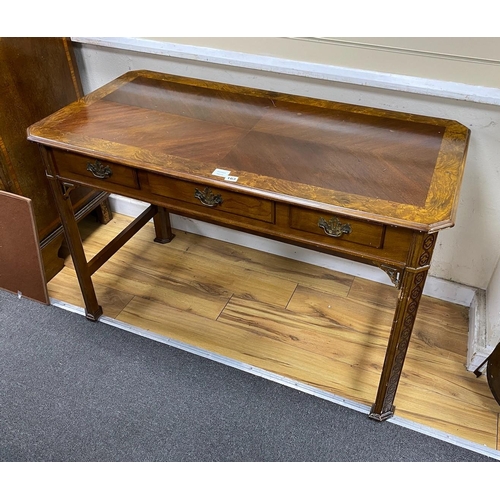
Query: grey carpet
x=73, y=390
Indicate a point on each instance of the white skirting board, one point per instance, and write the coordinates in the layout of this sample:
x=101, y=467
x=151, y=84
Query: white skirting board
x=434, y=287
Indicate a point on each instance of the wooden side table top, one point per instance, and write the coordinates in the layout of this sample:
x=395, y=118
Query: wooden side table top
x=389, y=167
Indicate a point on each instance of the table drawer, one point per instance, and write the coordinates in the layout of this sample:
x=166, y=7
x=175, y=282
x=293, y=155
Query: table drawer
x=208, y=199
x=332, y=228
x=95, y=172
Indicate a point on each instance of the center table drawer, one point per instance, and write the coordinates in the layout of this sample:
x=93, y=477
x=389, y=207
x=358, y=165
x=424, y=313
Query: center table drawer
x=95, y=172
x=332, y=228
x=212, y=198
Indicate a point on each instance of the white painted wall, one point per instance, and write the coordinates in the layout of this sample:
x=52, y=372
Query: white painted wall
x=493, y=309
x=466, y=254
x=473, y=61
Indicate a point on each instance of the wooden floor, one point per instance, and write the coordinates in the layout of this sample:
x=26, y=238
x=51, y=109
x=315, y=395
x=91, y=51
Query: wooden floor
x=323, y=328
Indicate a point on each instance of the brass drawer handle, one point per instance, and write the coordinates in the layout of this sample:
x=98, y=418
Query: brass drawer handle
x=334, y=227
x=208, y=198
x=99, y=170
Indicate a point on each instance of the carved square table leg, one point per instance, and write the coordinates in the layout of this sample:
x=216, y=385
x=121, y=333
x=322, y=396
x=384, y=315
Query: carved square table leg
x=412, y=286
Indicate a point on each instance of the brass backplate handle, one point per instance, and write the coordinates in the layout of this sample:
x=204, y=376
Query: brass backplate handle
x=334, y=227
x=99, y=170
x=208, y=198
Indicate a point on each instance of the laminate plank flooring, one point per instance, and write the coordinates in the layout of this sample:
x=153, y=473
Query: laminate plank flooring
x=322, y=328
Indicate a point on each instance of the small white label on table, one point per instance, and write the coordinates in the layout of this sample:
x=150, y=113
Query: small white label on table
x=231, y=178
x=219, y=172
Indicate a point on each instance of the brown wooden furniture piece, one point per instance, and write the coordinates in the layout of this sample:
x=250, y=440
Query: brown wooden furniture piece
x=21, y=267
x=37, y=77
x=366, y=184
x=493, y=373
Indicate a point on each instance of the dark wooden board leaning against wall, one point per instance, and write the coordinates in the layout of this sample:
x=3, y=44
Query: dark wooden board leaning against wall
x=38, y=76
x=21, y=269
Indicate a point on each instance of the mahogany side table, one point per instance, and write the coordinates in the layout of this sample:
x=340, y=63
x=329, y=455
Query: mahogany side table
x=365, y=184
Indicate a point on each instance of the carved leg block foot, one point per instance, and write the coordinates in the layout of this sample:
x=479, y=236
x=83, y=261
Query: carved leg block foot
x=164, y=240
x=380, y=417
x=94, y=316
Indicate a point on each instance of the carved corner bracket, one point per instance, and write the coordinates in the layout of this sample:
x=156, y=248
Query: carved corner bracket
x=395, y=274
x=67, y=187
